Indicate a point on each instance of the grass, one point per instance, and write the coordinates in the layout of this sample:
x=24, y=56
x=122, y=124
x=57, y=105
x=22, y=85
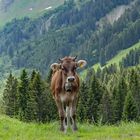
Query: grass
x=22, y=8
x=12, y=129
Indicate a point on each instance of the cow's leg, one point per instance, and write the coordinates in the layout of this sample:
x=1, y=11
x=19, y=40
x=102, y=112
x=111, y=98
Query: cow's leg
x=67, y=116
x=61, y=114
x=73, y=115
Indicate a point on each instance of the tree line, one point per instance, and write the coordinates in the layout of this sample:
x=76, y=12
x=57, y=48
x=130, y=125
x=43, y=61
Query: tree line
x=28, y=98
x=106, y=96
x=110, y=96
x=131, y=59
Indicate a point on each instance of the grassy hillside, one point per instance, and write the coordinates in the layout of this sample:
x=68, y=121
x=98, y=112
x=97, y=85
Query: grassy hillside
x=11, y=129
x=122, y=54
x=30, y=8
x=115, y=60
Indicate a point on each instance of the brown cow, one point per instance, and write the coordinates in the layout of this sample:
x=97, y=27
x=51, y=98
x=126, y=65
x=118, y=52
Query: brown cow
x=65, y=86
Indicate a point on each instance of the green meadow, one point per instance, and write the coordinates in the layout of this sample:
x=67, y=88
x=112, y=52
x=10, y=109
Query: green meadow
x=29, y=8
x=12, y=129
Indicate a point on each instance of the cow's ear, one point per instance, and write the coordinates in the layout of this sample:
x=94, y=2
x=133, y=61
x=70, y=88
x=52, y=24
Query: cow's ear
x=81, y=63
x=55, y=66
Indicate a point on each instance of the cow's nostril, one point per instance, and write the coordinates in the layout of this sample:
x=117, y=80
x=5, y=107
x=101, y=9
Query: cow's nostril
x=71, y=79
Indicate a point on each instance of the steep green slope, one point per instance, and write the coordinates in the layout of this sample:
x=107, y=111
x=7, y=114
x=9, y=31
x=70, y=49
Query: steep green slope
x=118, y=58
x=13, y=129
x=115, y=60
x=29, y=8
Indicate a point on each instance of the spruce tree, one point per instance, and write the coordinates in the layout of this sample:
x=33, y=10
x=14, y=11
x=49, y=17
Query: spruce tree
x=83, y=102
x=33, y=74
x=130, y=110
x=102, y=57
x=98, y=72
x=10, y=96
x=31, y=102
x=106, y=107
x=119, y=96
x=90, y=72
x=23, y=91
x=49, y=75
x=134, y=84
x=95, y=95
x=50, y=109
x=38, y=89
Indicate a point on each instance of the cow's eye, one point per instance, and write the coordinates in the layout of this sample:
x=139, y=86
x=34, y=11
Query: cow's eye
x=64, y=69
x=74, y=68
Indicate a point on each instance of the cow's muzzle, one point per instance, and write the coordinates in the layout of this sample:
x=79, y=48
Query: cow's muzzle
x=68, y=87
x=68, y=84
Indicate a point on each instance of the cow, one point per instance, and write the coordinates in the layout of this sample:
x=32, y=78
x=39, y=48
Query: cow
x=65, y=86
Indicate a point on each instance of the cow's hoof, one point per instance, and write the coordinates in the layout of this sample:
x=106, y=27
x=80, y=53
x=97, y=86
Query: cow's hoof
x=62, y=129
x=75, y=129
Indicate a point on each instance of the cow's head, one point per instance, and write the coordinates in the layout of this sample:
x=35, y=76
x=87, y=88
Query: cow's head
x=68, y=66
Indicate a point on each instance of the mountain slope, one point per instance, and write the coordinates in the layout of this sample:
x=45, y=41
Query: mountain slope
x=10, y=9
x=122, y=54
x=14, y=129
x=68, y=30
x=117, y=59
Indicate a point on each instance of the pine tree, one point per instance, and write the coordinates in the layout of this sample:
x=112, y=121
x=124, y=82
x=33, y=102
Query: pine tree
x=38, y=89
x=31, y=102
x=83, y=102
x=106, y=107
x=90, y=72
x=130, y=110
x=50, y=108
x=49, y=76
x=33, y=74
x=102, y=57
x=95, y=95
x=98, y=72
x=119, y=96
x=10, y=96
x=23, y=90
x=134, y=84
